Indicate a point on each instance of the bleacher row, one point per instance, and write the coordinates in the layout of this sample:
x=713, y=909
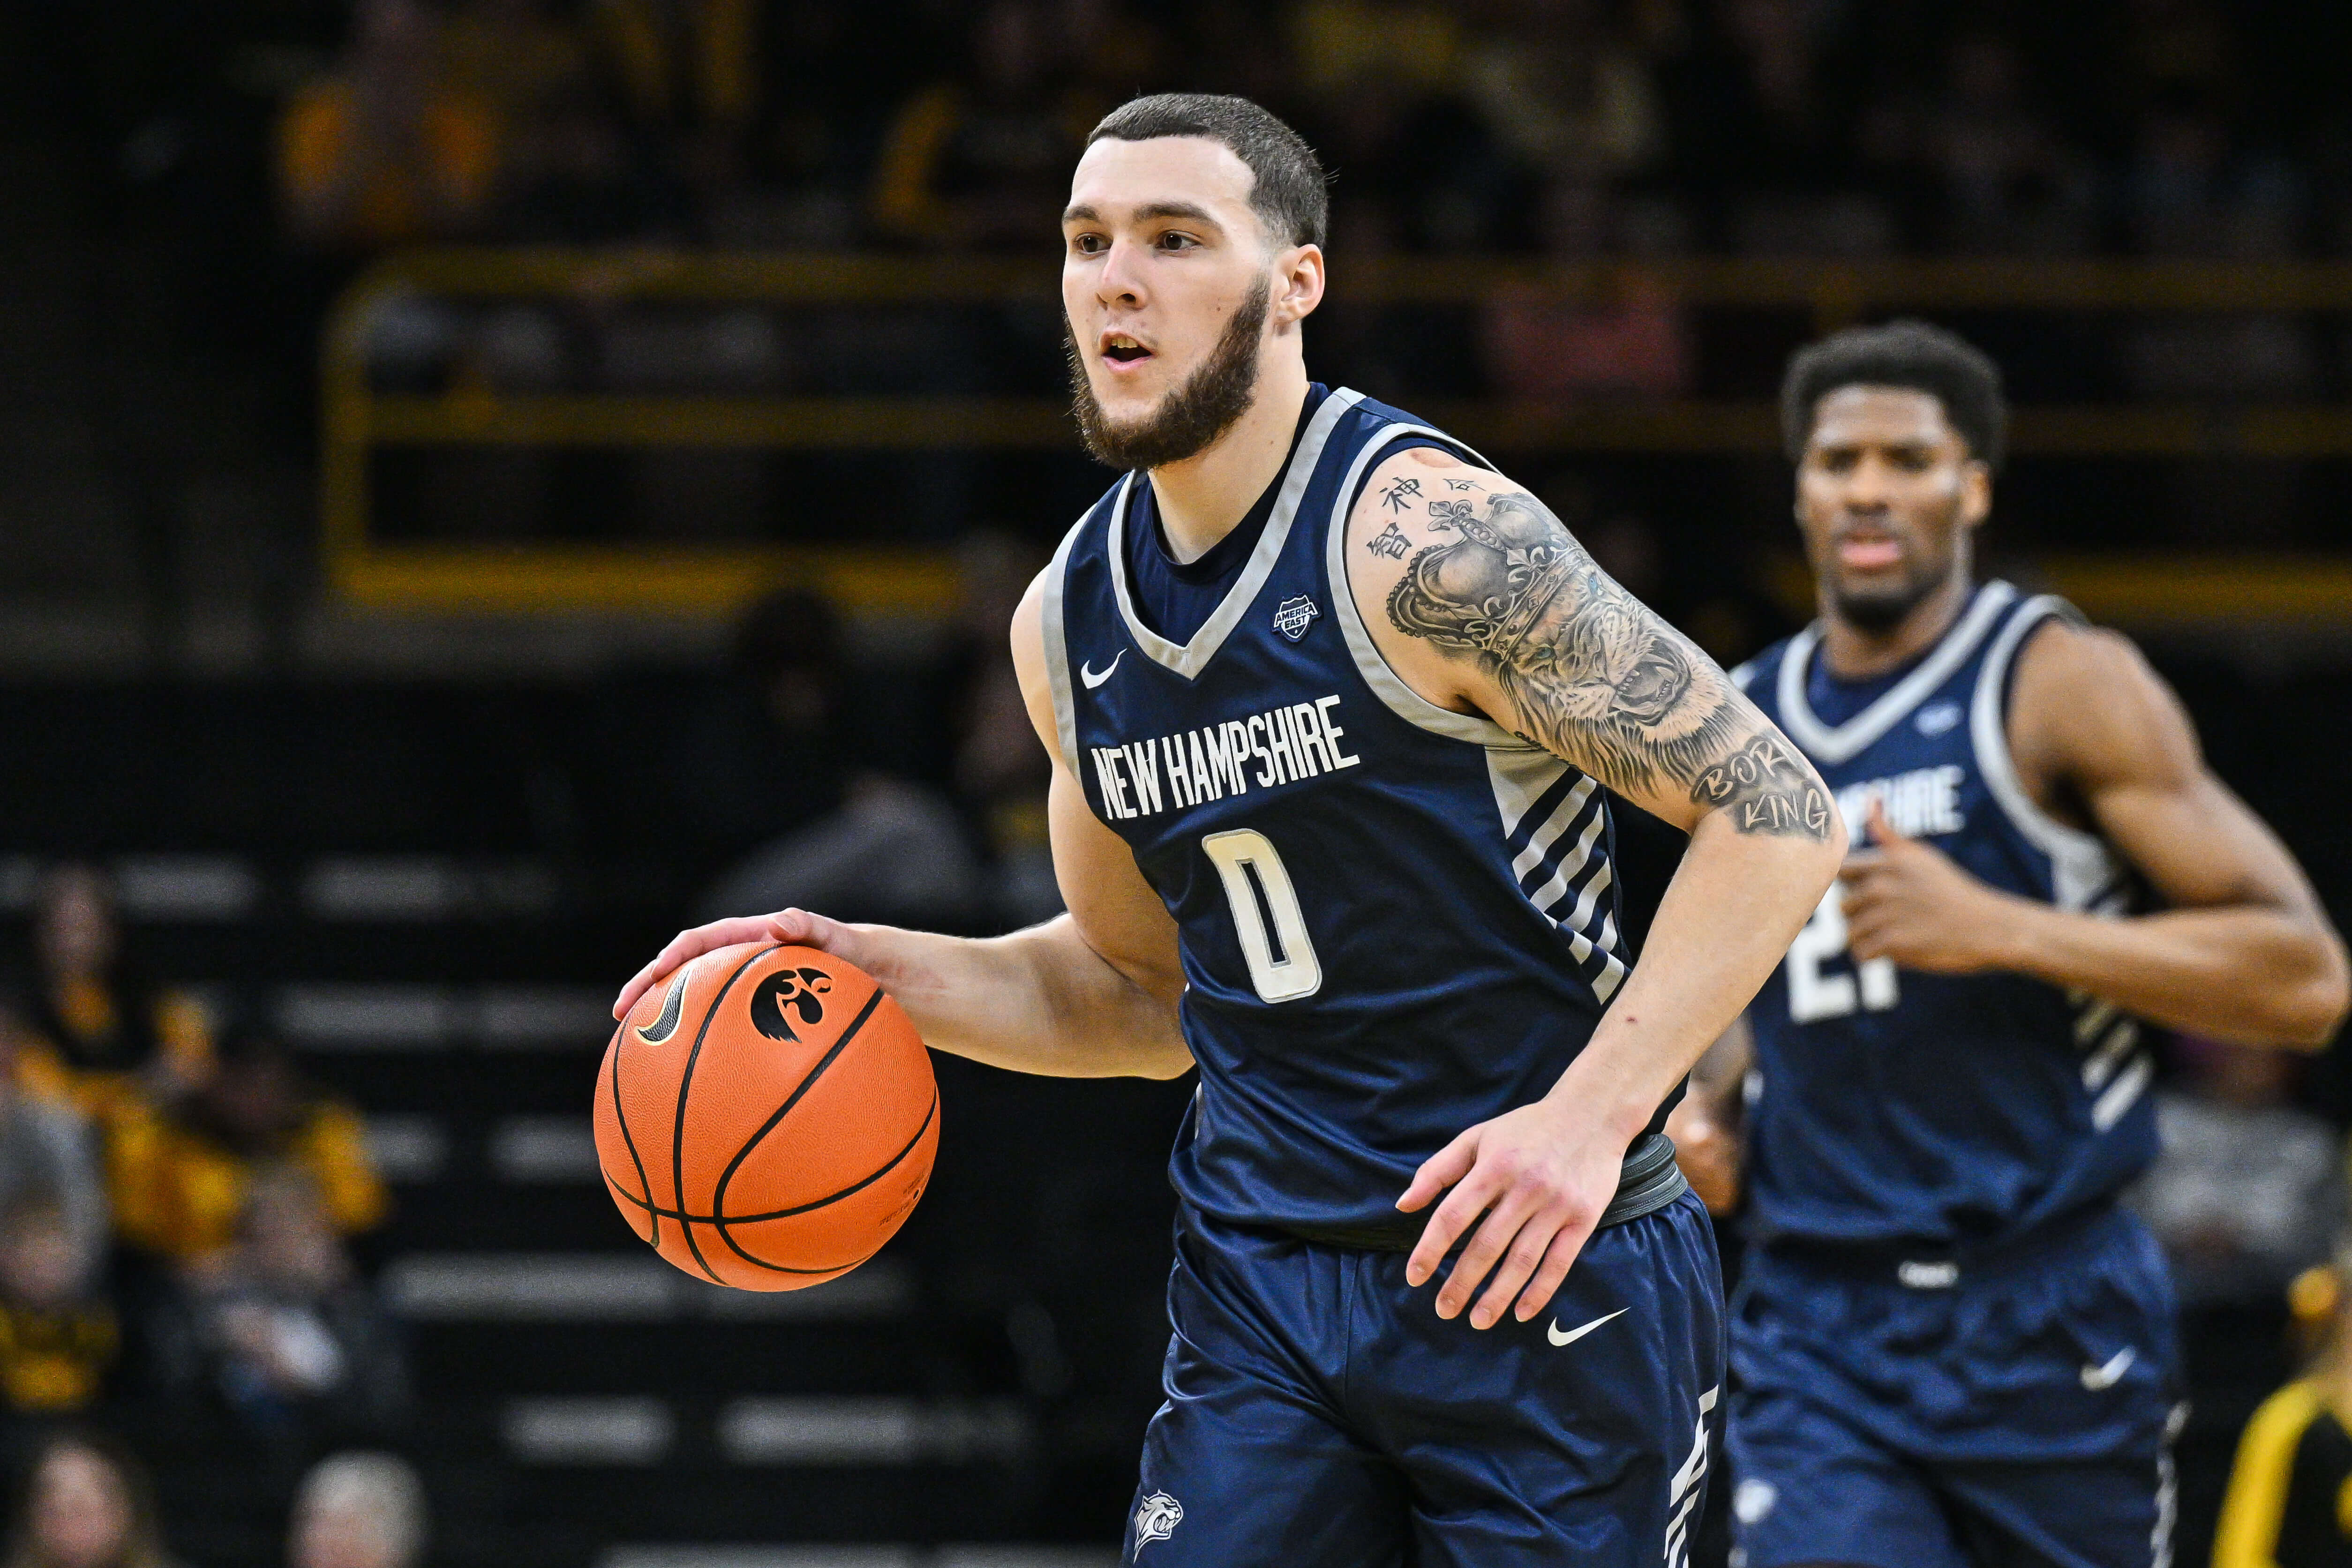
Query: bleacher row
x=583, y=1404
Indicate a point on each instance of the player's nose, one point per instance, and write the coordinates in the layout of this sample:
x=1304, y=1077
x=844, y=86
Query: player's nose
x=1867, y=488
x=1120, y=279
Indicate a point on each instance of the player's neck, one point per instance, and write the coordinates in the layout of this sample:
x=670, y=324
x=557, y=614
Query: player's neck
x=1852, y=653
x=1204, y=498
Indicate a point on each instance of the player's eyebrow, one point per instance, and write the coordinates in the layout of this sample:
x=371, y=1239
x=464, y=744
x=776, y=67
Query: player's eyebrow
x=1190, y=212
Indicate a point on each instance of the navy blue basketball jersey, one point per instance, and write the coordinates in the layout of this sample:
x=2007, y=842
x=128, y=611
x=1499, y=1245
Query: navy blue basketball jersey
x=1396, y=921
x=1963, y=1110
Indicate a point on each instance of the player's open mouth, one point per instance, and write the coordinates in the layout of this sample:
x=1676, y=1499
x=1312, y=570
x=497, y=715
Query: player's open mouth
x=1121, y=350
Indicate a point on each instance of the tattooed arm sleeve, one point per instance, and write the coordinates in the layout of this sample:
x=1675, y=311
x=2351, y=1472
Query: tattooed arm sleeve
x=1589, y=673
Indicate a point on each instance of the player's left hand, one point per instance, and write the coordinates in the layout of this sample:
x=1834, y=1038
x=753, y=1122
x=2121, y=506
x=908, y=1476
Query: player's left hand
x=1541, y=1175
x=1907, y=901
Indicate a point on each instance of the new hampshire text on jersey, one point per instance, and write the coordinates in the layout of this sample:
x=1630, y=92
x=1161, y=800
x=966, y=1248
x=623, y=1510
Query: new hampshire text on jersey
x=1299, y=741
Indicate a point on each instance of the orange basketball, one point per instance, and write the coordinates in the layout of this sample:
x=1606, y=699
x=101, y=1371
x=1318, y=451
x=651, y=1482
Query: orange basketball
x=766, y=1118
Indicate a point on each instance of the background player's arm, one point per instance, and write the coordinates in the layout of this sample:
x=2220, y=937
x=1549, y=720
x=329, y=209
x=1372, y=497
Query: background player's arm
x=2243, y=951
x=1089, y=994
x=1708, y=1126
x=1483, y=602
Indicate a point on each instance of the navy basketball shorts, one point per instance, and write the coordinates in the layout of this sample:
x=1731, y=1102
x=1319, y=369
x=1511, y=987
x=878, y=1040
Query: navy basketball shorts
x=1925, y=1414
x=1320, y=1414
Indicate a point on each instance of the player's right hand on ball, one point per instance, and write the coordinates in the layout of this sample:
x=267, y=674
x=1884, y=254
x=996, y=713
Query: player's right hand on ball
x=797, y=927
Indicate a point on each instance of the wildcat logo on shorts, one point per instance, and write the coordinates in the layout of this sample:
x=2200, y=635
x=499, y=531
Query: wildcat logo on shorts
x=795, y=988
x=1156, y=1520
x=1292, y=616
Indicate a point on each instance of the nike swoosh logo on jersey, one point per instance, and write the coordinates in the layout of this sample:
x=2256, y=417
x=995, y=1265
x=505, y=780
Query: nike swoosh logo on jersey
x=1086, y=670
x=2097, y=1377
x=1569, y=1336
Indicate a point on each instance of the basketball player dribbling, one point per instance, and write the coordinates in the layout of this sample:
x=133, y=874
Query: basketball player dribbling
x=1333, y=707
x=1952, y=1348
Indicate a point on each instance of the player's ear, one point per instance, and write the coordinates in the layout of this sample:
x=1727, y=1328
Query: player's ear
x=1298, y=285
x=1976, y=492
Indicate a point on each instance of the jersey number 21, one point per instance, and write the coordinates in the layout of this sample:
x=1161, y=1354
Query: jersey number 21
x=1813, y=995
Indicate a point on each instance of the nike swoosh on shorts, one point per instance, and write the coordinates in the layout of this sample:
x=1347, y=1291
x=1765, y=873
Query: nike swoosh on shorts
x=1569, y=1336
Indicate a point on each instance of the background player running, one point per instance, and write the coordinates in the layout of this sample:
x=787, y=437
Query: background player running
x=1329, y=704
x=1952, y=1347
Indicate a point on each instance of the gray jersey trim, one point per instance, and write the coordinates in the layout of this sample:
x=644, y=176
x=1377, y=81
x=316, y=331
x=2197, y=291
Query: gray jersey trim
x=1057, y=646
x=1846, y=741
x=1370, y=663
x=2084, y=869
x=1189, y=659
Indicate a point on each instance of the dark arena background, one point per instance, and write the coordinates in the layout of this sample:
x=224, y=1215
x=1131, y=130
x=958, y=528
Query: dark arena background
x=484, y=484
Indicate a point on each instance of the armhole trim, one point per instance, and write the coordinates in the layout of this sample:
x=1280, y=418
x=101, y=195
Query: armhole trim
x=1370, y=663
x=2083, y=868
x=1057, y=646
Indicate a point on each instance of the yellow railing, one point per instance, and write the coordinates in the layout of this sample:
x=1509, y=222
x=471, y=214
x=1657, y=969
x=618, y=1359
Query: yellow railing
x=357, y=419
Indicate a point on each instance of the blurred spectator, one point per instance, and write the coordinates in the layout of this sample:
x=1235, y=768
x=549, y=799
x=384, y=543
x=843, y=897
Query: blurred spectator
x=2286, y=1505
x=103, y=1035
x=689, y=74
x=986, y=159
x=566, y=169
x=86, y=1504
x=783, y=753
x=2009, y=183
x=2249, y=1187
x=1388, y=48
x=282, y=1331
x=1388, y=104
x=1001, y=770
x=387, y=150
x=59, y=1336
x=358, y=1511
x=1564, y=92
x=182, y=1175
x=2194, y=191
x=45, y=1153
x=775, y=747
x=1631, y=341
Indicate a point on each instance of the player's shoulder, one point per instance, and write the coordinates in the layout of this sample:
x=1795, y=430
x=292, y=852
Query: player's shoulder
x=1414, y=500
x=1419, y=489
x=2066, y=661
x=2065, y=646
x=2085, y=698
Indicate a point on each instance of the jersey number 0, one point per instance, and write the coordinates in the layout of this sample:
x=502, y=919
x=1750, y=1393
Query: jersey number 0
x=1258, y=891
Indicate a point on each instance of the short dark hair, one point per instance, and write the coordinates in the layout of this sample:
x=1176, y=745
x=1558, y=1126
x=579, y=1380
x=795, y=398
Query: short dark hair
x=1289, y=194
x=1910, y=354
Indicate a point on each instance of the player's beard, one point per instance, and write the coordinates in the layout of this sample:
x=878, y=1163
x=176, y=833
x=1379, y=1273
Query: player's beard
x=1190, y=416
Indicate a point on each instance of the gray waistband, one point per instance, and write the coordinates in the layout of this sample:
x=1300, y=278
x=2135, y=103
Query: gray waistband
x=1646, y=1183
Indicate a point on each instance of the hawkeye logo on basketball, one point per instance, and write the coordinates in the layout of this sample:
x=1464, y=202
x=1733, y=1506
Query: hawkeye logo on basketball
x=796, y=989
x=1141, y=778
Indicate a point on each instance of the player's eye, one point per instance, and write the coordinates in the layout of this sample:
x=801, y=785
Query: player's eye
x=1174, y=241
x=1089, y=244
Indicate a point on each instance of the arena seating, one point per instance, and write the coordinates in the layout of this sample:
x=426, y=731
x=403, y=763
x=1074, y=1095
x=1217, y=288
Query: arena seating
x=582, y=1402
